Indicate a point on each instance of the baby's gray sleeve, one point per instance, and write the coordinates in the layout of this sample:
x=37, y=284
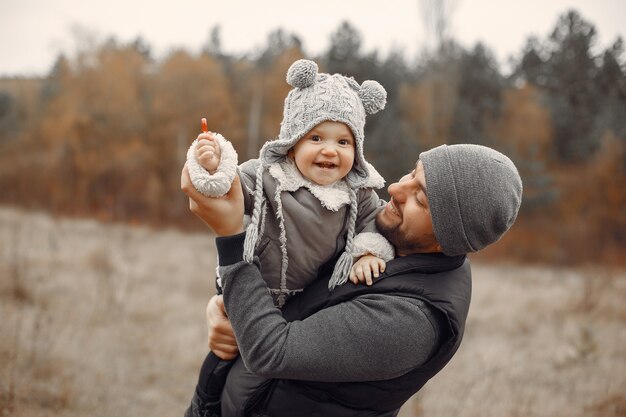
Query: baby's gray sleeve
x=247, y=175
x=369, y=204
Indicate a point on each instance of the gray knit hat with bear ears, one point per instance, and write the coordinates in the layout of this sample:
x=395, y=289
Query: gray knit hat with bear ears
x=317, y=98
x=474, y=194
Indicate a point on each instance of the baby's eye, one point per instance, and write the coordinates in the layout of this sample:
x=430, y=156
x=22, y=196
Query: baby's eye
x=344, y=142
x=315, y=138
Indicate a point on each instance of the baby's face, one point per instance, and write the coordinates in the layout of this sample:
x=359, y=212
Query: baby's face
x=326, y=153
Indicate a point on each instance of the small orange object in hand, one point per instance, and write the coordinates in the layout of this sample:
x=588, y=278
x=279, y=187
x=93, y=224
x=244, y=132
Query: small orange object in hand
x=205, y=129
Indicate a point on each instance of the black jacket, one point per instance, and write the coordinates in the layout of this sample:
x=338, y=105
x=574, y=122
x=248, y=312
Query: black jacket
x=439, y=281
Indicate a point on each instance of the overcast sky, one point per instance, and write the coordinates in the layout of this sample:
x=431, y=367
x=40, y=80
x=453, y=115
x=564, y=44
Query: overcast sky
x=34, y=32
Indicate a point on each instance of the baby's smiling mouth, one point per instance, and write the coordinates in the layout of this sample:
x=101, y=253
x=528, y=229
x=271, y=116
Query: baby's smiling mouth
x=326, y=165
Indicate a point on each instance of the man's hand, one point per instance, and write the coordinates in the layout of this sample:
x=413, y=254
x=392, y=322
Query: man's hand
x=222, y=340
x=222, y=214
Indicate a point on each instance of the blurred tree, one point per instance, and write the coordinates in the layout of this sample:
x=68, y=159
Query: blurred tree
x=8, y=117
x=142, y=47
x=603, y=206
x=611, y=85
x=428, y=104
x=437, y=19
x=184, y=90
x=58, y=76
x=278, y=41
x=268, y=88
x=570, y=81
x=610, y=78
x=187, y=89
x=343, y=55
x=106, y=105
x=525, y=134
x=532, y=66
x=241, y=74
x=479, y=100
x=213, y=45
x=593, y=190
x=389, y=143
x=393, y=72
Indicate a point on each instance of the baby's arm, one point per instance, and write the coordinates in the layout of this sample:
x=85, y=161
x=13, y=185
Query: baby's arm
x=370, y=247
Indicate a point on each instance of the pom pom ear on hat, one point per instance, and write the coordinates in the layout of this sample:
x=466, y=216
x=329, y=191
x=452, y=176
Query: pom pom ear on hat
x=302, y=73
x=373, y=96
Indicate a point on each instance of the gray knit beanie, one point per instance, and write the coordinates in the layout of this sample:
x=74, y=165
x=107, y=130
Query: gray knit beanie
x=474, y=193
x=317, y=98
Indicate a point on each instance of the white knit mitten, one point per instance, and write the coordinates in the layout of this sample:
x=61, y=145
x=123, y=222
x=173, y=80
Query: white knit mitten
x=217, y=184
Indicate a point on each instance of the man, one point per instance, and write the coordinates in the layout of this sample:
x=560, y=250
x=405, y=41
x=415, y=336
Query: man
x=362, y=350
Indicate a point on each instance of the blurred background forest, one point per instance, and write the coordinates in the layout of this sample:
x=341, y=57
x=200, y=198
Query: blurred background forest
x=105, y=133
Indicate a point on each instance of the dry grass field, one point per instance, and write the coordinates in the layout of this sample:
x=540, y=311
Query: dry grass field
x=107, y=320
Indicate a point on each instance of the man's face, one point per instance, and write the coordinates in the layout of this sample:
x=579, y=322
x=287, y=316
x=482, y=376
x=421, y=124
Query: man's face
x=405, y=221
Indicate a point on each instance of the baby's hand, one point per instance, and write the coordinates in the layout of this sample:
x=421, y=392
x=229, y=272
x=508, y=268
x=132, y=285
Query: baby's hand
x=208, y=152
x=365, y=267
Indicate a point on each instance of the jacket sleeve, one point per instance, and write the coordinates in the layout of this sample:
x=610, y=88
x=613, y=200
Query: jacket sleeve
x=372, y=337
x=369, y=204
x=247, y=174
x=368, y=240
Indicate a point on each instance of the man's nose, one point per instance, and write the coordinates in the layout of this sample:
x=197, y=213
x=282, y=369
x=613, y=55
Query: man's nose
x=398, y=190
x=394, y=189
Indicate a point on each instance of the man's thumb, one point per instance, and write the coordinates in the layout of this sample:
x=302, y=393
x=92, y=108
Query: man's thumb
x=219, y=302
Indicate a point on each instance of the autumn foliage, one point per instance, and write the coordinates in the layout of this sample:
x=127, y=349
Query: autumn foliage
x=106, y=132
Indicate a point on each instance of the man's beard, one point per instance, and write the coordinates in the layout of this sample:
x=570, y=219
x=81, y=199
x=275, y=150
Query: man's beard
x=404, y=244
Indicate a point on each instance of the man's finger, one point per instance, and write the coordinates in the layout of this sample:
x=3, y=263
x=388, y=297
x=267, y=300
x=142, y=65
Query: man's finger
x=224, y=348
x=224, y=353
x=219, y=302
x=224, y=338
x=185, y=183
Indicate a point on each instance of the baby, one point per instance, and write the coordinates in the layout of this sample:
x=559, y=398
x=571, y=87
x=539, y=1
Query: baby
x=313, y=180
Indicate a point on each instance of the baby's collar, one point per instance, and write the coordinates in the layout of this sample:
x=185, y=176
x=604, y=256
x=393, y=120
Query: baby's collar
x=332, y=196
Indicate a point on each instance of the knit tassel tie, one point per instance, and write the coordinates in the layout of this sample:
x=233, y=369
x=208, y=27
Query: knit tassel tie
x=252, y=231
x=252, y=237
x=342, y=271
x=344, y=264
